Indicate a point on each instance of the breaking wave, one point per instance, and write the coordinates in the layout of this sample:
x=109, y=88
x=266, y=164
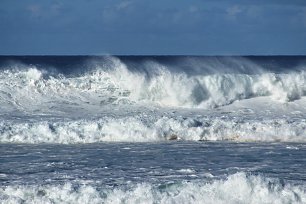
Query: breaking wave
x=116, y=100
x=31, y=87
x=237, y=188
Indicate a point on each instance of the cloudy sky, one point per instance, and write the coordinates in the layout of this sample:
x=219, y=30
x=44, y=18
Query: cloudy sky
x=133, y=27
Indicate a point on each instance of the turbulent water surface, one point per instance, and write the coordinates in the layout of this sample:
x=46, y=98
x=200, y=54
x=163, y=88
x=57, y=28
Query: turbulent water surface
x=152, y=129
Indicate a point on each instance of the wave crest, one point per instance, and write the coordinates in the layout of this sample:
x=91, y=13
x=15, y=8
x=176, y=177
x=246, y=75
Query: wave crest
x=117, y=84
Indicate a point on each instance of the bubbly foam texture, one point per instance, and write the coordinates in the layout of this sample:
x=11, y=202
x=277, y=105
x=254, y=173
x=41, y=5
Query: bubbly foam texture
x=132, y=129
x=28, y=88
x=28, y=91
x=237, y=188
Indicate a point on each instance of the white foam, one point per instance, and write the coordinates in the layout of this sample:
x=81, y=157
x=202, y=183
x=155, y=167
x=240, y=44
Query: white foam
x=135, y=106
x=292, y=147
x=237, y=188
x=186, y=171
x=137, y=129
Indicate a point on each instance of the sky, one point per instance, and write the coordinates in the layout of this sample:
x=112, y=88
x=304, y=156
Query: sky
x=153, y=27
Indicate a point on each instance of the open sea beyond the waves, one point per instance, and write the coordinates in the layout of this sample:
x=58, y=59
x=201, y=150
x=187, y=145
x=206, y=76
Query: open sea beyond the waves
x=152, y=129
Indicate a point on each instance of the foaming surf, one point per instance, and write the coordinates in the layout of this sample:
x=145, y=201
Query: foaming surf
x=236, y=188
x=142, y=129
x=152, y=99
x=152, y=129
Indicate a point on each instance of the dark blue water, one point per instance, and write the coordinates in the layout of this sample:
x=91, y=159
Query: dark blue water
x=191, y=64
x=116, y=164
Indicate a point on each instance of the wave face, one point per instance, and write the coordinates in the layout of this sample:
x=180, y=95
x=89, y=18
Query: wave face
x=95, y=99
x=237, y=188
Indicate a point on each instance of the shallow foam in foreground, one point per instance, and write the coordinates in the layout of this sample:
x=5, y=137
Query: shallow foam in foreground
x=237, y=188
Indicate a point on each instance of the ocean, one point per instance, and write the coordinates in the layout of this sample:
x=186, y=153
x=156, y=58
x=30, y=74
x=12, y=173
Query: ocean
x=153, y=129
